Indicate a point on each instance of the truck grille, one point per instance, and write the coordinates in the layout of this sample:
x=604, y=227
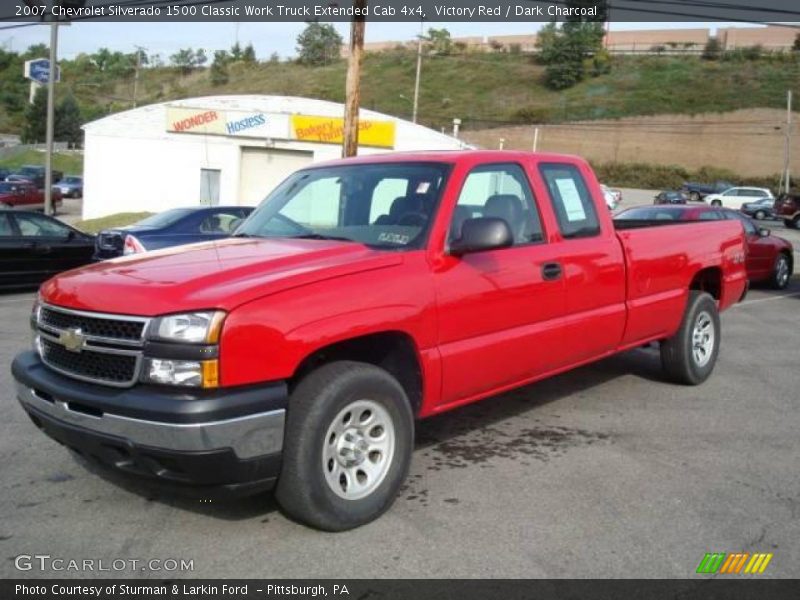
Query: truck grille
x=90, y=365
x=118, y=329
x=95, y=347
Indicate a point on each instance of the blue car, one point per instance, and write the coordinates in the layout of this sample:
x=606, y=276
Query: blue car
x=71, y=186
x=170, y=228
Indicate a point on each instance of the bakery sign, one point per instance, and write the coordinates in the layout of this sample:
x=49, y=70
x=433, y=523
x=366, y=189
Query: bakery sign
x=330, y=130
x=227, y=122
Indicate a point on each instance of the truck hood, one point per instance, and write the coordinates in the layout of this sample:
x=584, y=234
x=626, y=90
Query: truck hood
x=221, y=274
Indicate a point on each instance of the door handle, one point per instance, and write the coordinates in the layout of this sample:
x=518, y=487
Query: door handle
x=39, y=249
x=551, y=271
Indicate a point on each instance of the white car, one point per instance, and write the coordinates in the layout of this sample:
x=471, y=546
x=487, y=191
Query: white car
x=612, y=197
x=736, y=196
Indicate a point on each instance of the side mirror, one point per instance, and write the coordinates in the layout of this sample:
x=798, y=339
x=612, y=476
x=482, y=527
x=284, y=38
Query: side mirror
x=483, y=233
x=763, y=232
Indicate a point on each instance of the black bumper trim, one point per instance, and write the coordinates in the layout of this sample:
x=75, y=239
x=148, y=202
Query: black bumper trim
x=215, y=472
x=152, y=403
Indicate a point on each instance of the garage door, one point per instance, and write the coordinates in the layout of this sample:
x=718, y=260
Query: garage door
x=264, y=168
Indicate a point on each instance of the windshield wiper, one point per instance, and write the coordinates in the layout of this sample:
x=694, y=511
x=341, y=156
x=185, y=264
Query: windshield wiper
x=319, y=236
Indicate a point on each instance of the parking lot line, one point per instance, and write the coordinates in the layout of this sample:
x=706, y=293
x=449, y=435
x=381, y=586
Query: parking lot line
x=768, y=299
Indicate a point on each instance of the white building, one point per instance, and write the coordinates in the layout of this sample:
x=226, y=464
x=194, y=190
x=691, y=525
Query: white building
x=224, y=149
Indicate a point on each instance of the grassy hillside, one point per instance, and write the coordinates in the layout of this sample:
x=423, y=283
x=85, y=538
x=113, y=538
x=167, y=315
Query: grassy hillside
x=481, y=89
x=69, y=163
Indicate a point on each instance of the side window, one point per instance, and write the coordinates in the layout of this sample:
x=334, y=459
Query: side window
x=502, y=191
x=709, y=215
x=6, y=230
x=39, y=226
x=571, y=200
x=220, y=222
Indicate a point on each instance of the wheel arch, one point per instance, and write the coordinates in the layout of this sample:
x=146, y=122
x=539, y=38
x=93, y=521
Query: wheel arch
x=709, y=280
x=393, y=350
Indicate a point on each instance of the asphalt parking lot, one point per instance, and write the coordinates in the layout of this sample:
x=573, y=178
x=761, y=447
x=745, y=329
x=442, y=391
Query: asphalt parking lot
x=603, y=472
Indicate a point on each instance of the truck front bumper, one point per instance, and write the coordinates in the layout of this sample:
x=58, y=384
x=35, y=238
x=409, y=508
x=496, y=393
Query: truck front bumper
x=225, y=440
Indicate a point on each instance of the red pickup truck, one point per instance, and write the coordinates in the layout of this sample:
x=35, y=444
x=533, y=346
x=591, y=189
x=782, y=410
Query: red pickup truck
x=361, y=295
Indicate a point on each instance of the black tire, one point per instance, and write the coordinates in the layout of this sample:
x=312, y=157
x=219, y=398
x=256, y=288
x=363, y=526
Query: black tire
x=716, y=203
x=678, y=359
x=781, y=272
x=793, y=223
x=694, y=197
x=303, y=490
x=760, y=215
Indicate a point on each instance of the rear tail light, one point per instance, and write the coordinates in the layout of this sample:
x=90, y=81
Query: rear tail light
x=132, y=246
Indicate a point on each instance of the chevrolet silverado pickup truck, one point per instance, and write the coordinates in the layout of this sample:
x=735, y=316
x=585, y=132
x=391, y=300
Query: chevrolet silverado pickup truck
x=361, y=295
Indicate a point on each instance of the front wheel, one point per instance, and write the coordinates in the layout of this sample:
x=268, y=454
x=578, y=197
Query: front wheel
x=781, y=272
x=689, y=356
x=716, y=203
x=760, y=215
x=348, y=442
x=694, y=197
x=792, y=223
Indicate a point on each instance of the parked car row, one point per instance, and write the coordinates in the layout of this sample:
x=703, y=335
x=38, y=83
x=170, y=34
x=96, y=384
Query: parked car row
x=25, y=195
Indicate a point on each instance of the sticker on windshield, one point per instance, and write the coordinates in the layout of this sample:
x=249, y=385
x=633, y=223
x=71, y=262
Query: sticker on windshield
x=571, y=199
x=394, y=238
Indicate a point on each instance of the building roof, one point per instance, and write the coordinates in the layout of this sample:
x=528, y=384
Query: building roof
x=149, y=121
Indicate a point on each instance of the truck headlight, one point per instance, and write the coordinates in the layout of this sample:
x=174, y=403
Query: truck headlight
x=192, y=373
x=190, y=328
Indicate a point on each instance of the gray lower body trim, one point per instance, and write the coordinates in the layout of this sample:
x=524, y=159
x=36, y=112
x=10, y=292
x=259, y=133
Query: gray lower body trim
x=249, y=436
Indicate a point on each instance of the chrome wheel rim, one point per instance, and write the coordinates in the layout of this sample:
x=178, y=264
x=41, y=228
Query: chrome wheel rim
x=358, y=449
x=782, y=271
x=703, y=339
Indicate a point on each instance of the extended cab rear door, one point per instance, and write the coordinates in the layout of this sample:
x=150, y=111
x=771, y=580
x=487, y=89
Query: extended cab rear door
x=499, y=311
x=591, y=258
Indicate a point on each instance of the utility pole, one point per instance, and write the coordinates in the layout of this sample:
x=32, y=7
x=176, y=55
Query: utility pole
x=139, y=50
x=419, y=70
x=353, y=83
x=51, y=88
x=787, y=154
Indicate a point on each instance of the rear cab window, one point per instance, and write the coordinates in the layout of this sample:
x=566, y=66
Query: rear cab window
x=571, y=200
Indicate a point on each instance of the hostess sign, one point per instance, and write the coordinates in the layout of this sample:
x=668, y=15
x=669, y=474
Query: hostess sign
x=227, y=122
x=306, y=128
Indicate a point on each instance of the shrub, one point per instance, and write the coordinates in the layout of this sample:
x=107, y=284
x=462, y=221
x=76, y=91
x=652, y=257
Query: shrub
x=712, y=49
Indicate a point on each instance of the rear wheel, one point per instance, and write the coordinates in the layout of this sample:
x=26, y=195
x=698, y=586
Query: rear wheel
x=792, y=223
x=694, y=197
x=781, y=272
x=689, y=356
x=760, y=215
x=348, y=443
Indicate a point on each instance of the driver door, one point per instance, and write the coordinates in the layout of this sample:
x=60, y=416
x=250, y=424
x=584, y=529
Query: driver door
x=497, y=308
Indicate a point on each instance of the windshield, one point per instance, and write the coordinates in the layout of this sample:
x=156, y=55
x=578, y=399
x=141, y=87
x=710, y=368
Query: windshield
x=388, y=205
x=168, y=217
x=648, y=214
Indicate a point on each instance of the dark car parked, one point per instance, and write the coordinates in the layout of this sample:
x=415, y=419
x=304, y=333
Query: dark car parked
x=173, y=227
x=787, y=207
x=34, y=247
x=770, y=259
x=760, y=209
x=698, y=191
x=671, y=197
x=34, y=174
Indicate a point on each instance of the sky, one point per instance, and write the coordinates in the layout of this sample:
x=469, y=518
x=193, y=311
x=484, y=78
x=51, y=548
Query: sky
x=166, y=38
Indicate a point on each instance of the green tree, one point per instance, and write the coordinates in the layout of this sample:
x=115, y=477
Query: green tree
x=439, y=41
x=249, y=54
x=218, y=73
x=796, y=45
x=572, y=51
x=236, y=51
x=712, y=49
x=184, y=60
x=200, y=58
x=35, y=130
x=318, y=44
x=68, y=122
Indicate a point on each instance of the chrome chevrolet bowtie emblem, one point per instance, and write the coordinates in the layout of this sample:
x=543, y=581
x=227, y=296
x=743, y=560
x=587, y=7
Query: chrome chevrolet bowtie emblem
x=71, y=339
